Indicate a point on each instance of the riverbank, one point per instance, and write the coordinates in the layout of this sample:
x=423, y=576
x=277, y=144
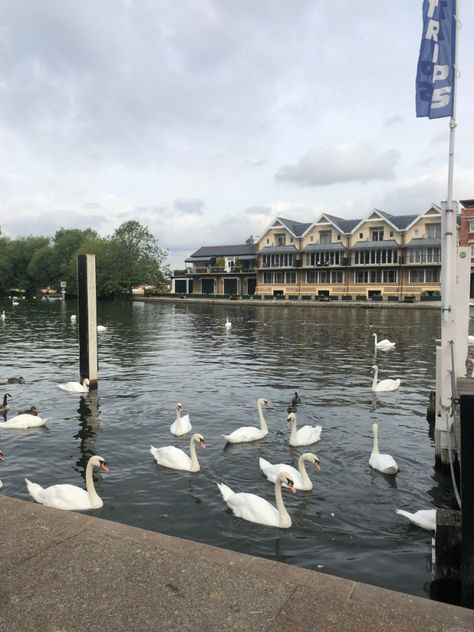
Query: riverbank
x=63, y=571
x=189, y=298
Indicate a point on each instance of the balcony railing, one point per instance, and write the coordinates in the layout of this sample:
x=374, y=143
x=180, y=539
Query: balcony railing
x=221, y=270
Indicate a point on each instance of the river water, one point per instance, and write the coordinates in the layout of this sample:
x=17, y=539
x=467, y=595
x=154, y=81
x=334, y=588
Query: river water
x=155, y=354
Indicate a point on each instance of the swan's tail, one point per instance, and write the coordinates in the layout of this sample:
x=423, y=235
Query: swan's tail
x=407, y=514
x=264, y=465
x=33, y=488
x=225, y=491
x=226, y=437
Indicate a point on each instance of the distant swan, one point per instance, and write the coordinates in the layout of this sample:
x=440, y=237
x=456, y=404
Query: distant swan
x=304, y=435
x=73, y=318
x=424, y=518
x=470, y=340
x=382, y=462
x=384, y=344
x=228, y=324
x=101, y=328
x=177, y=459
x=4, y=407
x=182, y=425
x=75, y=387
x=383, y=386
x=71, y=497
x=299, y=476
x=3, y=315
x=256, y=509
x=250, y=433
x=24, y=420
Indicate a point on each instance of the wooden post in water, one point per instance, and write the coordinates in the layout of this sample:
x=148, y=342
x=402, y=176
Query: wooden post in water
x=466, y=391
x=87, y=319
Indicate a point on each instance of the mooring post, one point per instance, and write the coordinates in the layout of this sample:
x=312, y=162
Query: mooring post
x=466, y=392
x=87, y=319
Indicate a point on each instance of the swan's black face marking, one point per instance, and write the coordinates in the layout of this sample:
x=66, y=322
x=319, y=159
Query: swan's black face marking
x=202, y=443
x=291, y=485
x=103, y=466
x=2, y=458
x=317, y=464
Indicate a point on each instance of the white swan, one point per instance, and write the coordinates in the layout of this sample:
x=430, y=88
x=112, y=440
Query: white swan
x=256, y=509
x=228, y=324
x=71, y=497
x=384, y=344
x=182, y=425
x=250, y=433
x=73, y=318
x=424, y=518
x=382, y=462
x=304, y=435
x=3, y=315
x=470, y=340
x=75, y=387
x=24, y=420
x=178, y=459
x=299, y=476
x=101, y=328
x=384, y=386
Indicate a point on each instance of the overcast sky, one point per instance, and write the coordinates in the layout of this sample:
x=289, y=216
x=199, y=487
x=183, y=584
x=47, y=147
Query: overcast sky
x=205, y=119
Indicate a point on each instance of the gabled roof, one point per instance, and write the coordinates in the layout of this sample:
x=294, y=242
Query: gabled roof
x=224, y=251
x=297, y=228
x=345, y=225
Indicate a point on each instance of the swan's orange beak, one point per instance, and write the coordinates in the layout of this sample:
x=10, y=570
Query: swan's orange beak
x=104, y=466
x=2, y=458
x=317, y=465
x=291, y=486
x=202, y=443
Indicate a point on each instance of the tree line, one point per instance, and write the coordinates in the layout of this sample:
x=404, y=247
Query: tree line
x=129, y=257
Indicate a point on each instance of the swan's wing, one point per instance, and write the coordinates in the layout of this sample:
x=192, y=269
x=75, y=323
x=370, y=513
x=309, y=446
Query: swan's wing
x=388, y=385
x=170, y=456
x=254, y=509
x=245, y=433
x=271, y=471
x=73, y=387
x=24, y=421
x=63, y=496
x=424, y=518
x=308, y=434
x=384, y=463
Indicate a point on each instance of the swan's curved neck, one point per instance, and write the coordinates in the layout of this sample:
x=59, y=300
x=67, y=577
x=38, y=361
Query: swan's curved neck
x=263, y=423
x=178, y=421
x=376, y=376
x=194, y=459
x=93, y=496
x=375, y=449
x=375, y=340
x=293, y=431
x=283, y=515
x=302, y=469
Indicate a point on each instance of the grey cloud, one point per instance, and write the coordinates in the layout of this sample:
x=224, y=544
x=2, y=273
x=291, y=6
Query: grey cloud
x=393, y=120
x=351, y=162
x=191, y=206
x=259, y=210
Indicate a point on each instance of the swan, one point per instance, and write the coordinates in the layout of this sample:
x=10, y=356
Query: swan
x=383, y=386
x=250, y=433
x=299, y=476
x=182, y=425
x=384, y=344
x=228, y=324
x=178, y=459
x=382, y=462
x=101, y=328
x=75, y=387
x=3, y=315
x=71, y=497
x=4, y=407
x=424, y=518
x=15, y=302
x=305, y=435
x=256, y=509
x=16, y=380
x=73, y=318
x=24, y=420
x=470, y=340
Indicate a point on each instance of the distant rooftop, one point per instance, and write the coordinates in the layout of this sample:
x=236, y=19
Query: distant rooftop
x=467, y=203
x=234, y=250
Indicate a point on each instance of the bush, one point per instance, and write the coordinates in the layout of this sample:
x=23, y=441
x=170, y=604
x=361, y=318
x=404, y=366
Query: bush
x=391, y=298
x=346, y=297
x=306, y=297
x=361, y=297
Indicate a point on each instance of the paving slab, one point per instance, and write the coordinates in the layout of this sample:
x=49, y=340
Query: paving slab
x=65, y=571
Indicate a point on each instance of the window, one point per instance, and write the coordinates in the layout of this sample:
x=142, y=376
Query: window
x=291, y=240
x=280, y=239
x=471, y=225
x=471, y=247
x=339, y=238
x=426, y=275
x=290, y=277
x=377, y=234
x=268, y=241
x=361, y=235
x=311, y=237
x=433, y=231
x=391, y=233
x=416, y=231
x=325, y=237
x=325, y=276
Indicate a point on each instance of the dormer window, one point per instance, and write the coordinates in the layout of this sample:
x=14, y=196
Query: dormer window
x=280, y=239
x=339, y=238
x=361, y=235
x=377, y=234
x=311, y=237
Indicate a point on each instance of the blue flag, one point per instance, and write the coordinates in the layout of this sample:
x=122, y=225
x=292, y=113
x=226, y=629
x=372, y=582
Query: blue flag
x=436, y=64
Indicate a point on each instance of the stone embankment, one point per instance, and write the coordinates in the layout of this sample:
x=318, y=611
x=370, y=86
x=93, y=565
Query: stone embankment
x=66, y=572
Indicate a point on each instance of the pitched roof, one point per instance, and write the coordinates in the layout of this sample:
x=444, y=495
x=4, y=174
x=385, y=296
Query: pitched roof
x=297, y=228
x=225, y=251
x=402, y=221
x=345, y=225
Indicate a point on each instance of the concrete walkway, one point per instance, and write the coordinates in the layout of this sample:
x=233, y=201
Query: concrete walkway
x=62, y=571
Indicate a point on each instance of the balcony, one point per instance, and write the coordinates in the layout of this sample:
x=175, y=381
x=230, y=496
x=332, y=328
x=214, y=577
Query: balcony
x=221, y=270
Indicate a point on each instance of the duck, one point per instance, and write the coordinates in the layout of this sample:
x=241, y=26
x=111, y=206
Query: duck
x=76, y=387
x=382, y=462
x=32, y=410
x=384, y=386
x=4, y=407
x=424, y=518
x=256, y=509
x=71, y=497
x=250, y=433
x=296, y=399
x=299, y=476
x=176, y=458
x=304, y=435
x=2, y=458
x=24, y=420
x=227, y=323
x=16, y=380
x=384, y=344
x=182, y=425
